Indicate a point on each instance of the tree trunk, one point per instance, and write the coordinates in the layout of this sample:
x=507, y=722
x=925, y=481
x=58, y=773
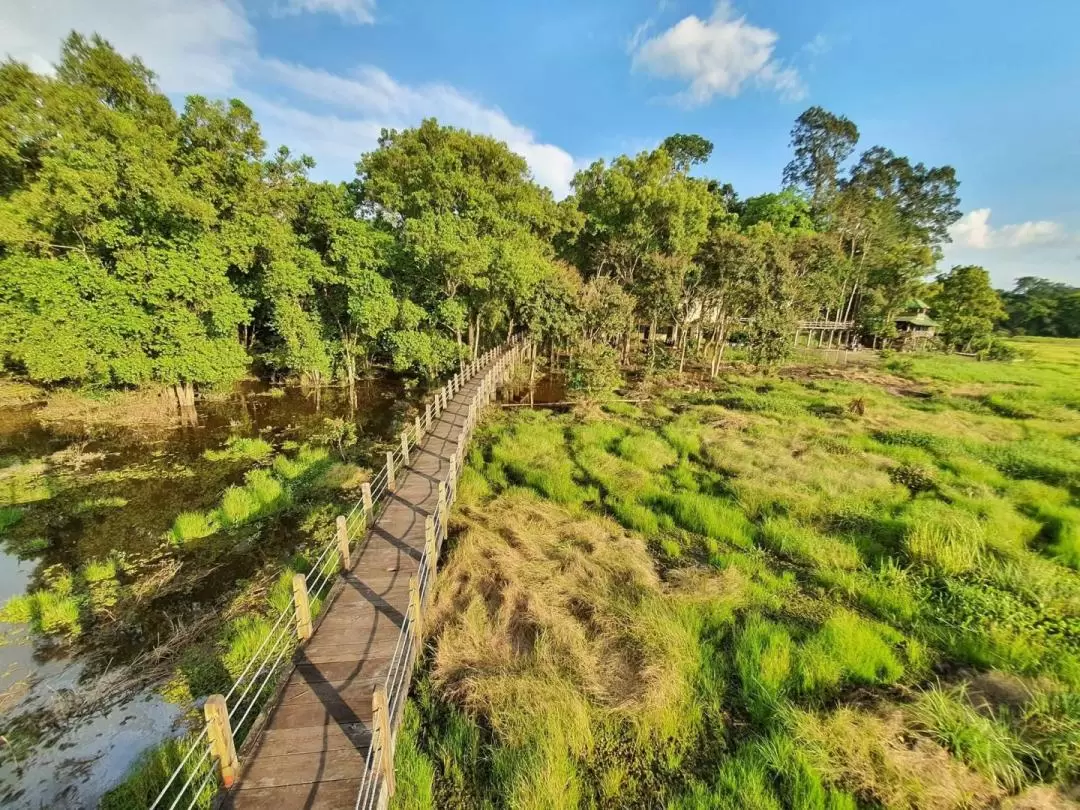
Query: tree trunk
x=682, y=351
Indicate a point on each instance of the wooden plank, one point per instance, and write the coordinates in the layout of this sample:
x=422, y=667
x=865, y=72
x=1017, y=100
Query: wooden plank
x=314, y=739
x=303, y=769
x=325, y=795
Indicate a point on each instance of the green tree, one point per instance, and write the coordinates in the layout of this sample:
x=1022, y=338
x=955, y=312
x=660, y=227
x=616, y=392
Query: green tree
x=822, y=141
x=967, y=306
x=786, y=210
x=470, y=224
x=687, y=150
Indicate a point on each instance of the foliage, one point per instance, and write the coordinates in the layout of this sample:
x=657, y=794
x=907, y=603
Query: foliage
x=594, y=371
x=967, y=306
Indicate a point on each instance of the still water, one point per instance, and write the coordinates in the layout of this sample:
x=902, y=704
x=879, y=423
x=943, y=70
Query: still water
x=73, y=719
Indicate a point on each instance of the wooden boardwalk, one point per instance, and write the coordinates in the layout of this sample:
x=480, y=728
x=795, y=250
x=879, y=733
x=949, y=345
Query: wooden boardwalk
x=311, y=751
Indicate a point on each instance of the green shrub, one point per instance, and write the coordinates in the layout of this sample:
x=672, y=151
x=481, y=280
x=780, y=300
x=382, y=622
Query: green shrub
x=915, y=477
x=984, y=743
x=594, y=371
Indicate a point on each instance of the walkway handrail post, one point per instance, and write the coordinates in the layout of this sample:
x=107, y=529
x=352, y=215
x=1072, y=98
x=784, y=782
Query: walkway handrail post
x=303, y=607
x=404, y=447
x=369, y=505
x=430, y=549
x=427, y=416
x=343, y=541
x=219, y=732
x=442, y=507
x=419, y=430
x=384, y=758
x=391, y=482
x=414, y=613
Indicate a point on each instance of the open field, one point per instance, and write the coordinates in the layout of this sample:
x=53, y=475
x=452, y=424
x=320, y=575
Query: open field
x=822, y=589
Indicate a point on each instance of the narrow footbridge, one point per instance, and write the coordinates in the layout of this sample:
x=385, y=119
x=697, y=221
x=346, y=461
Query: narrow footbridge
x=311, y=720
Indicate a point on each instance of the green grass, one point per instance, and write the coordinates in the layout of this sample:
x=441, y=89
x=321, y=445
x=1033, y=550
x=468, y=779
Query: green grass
x=190, y=526
x=9, y=517
x=797, y=568
x=241, y=448
x=984, y=743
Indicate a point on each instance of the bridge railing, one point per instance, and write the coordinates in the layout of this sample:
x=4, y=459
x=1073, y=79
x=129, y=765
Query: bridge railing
x=207, y=759
x=388, y=698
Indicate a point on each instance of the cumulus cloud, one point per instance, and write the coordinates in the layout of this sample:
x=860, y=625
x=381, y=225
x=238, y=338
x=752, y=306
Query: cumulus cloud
x=375, y=100
x=973, y=230
x=193, y=45
x=718, y=56
x=210, y=47
x=353, y=11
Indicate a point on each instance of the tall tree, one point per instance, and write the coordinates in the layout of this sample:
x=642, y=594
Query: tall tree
x=687, y=150
x=822, y=142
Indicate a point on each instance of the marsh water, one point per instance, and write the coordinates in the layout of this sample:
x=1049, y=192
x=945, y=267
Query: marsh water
x=74, y=717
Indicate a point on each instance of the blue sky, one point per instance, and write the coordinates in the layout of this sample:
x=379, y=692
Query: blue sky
x=988, y=87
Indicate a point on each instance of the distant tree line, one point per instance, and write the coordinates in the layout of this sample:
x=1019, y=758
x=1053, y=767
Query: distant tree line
x=1036, y=306
x=140, y=245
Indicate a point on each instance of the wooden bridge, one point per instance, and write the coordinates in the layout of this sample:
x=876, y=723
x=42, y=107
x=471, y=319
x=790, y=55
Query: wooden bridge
x=319, y=734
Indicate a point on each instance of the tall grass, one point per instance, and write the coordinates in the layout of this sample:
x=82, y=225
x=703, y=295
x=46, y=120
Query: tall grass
x=943, y=538
x=984, y=743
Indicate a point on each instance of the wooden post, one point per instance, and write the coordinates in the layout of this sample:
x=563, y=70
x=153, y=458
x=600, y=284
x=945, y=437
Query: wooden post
x=369, y=504
x=391, y=482
x=419, y=430
x=404, y=447
x=414, y=609
x=453, y=467
x=220, y=736
x=431, y=549
x=384, y=755
x=343, y=542
x=303, y=607
x=443, y=394
x=427, y=415
x=442, y=507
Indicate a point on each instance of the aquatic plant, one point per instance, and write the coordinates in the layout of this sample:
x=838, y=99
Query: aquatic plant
x=241, y=448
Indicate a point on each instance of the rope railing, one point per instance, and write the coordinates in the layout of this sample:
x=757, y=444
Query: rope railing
x=230, y=718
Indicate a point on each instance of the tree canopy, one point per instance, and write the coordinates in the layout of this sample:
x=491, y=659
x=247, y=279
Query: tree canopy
x=145, y=245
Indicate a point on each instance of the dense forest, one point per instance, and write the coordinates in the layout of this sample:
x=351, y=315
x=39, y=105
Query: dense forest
x=144, y=246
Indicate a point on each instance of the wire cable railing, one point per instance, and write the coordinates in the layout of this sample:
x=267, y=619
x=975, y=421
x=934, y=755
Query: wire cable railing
x=208, y=757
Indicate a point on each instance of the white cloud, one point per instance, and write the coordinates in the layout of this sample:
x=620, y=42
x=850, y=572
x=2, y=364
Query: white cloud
x=973, y=230
x=209, y=46
x=352, y=11
x=718, y=56
x=193, y=45
x=380, y=101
